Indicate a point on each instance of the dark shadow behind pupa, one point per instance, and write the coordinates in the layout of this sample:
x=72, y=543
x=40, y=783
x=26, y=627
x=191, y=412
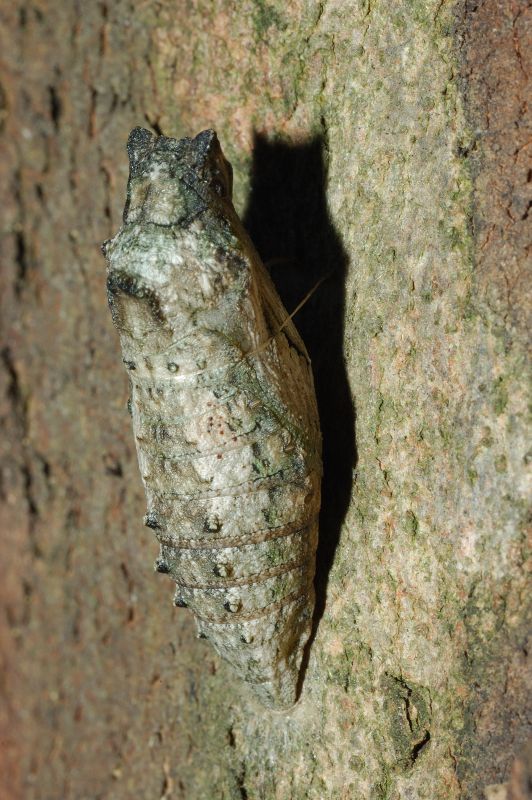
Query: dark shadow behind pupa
x=289, y=223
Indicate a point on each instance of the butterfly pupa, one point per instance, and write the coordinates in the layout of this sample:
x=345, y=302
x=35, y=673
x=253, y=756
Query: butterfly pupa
x=224, y=411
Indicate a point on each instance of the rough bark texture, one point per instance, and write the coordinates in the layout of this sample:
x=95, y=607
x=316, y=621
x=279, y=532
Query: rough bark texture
x=388, y=144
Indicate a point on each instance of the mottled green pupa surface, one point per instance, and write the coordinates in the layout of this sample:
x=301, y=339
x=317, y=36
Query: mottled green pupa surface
x=223, y=408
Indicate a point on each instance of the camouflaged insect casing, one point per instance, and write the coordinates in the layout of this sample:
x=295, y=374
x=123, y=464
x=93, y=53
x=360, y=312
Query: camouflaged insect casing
x=224, y=410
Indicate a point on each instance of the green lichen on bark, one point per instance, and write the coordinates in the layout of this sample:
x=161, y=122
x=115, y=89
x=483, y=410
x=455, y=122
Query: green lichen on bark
x=421, y=354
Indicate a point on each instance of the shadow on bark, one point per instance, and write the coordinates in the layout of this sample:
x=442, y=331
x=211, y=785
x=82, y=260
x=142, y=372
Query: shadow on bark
x=288, y=221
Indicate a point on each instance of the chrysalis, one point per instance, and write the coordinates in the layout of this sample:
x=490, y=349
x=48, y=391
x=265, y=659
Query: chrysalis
x=224, y=410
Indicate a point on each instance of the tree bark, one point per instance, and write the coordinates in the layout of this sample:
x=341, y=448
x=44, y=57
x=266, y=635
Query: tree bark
x=387, y=147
